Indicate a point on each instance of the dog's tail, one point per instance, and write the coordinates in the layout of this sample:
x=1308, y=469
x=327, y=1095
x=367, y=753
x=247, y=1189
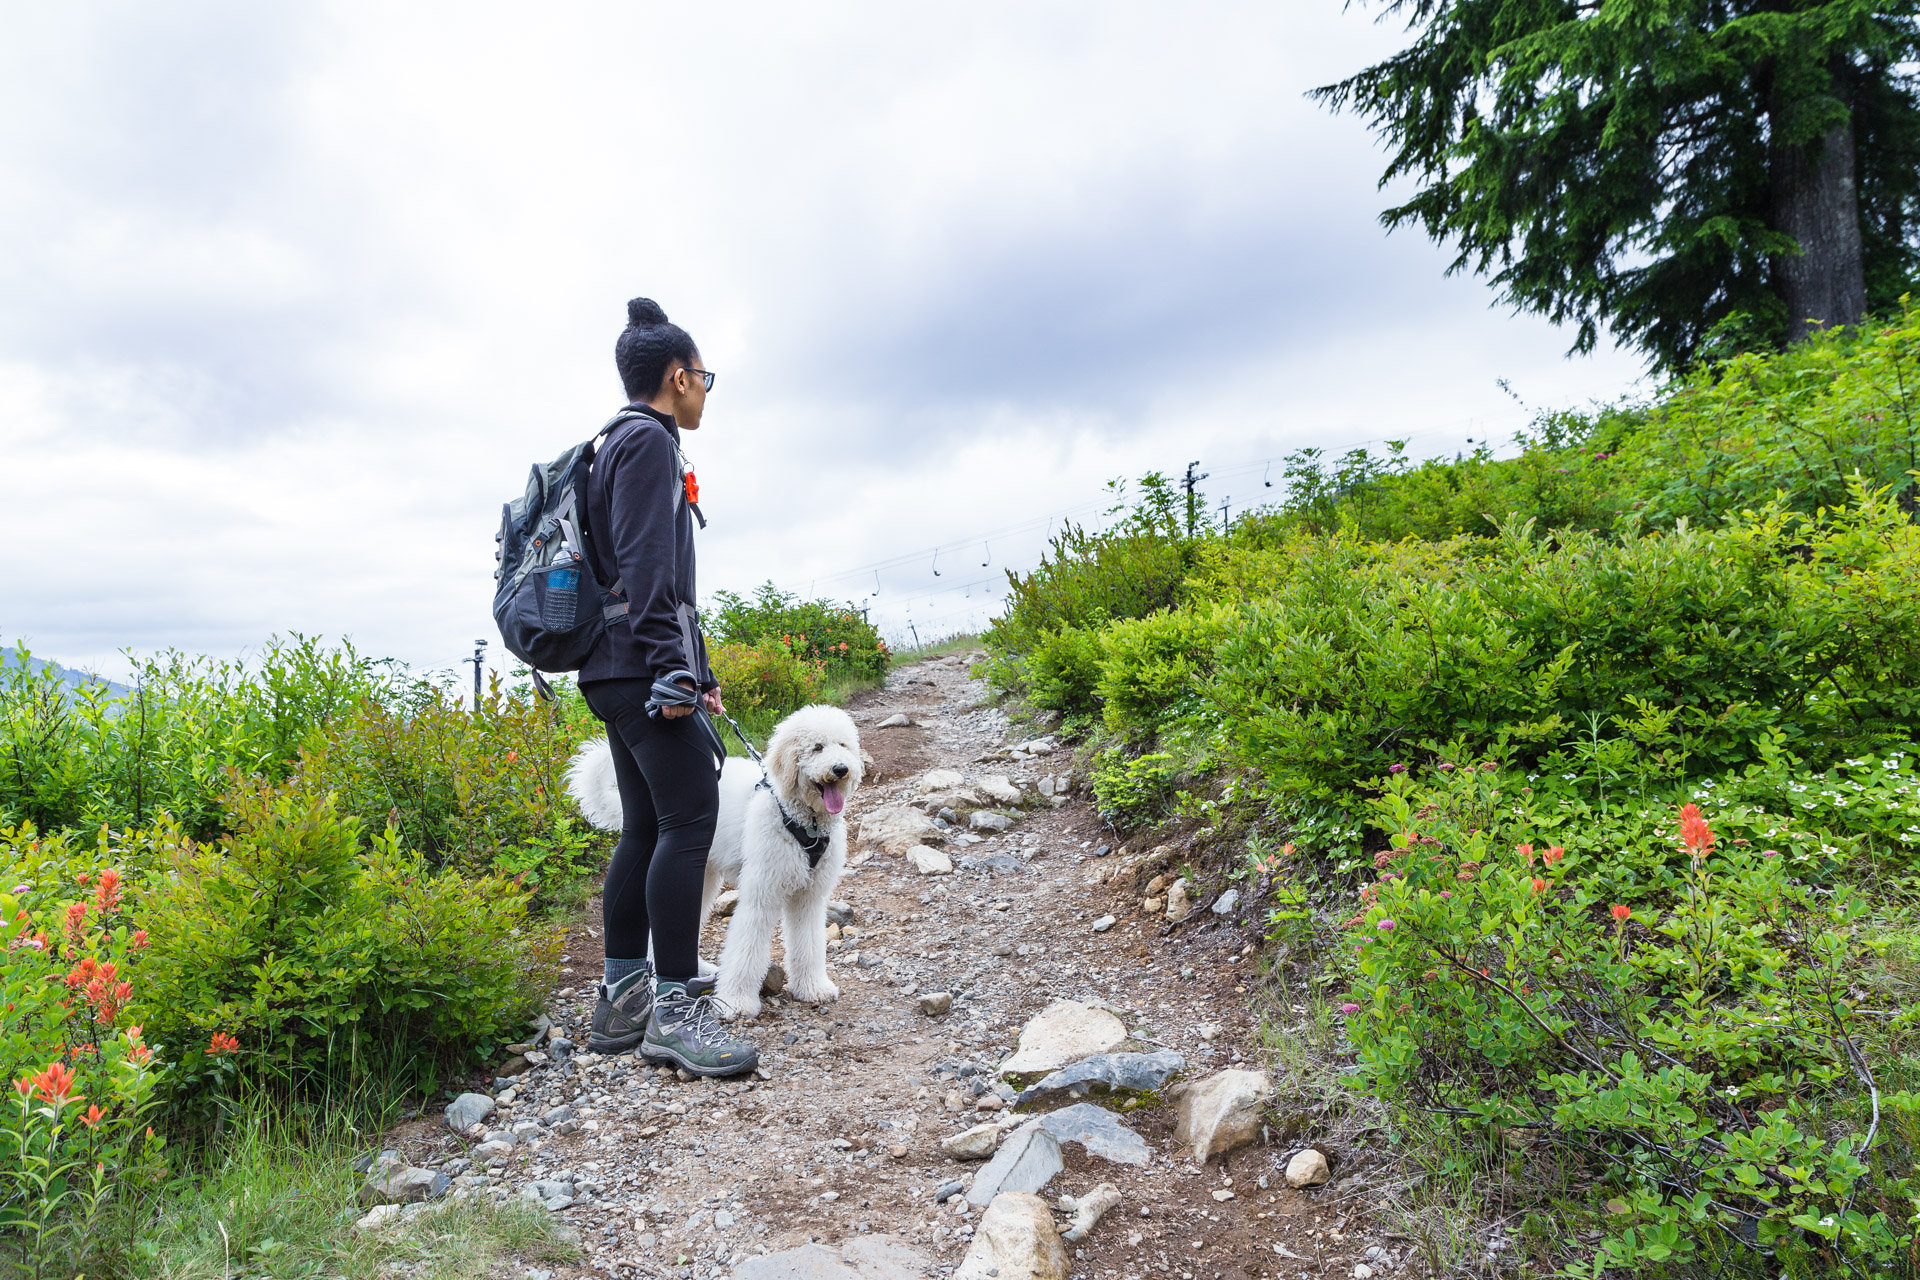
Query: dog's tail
x=591, y=783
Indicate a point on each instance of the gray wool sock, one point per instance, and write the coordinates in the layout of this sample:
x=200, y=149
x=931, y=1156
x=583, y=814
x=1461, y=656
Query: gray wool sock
x=617, y=971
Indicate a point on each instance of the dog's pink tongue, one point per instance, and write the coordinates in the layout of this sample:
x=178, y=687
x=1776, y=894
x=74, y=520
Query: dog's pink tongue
x=831, y=797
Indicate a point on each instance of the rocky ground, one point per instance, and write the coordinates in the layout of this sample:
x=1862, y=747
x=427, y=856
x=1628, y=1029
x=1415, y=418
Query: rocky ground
x=858, y=1148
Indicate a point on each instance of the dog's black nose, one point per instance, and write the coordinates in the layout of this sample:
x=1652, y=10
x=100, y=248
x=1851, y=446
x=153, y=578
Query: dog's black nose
x=839, y=771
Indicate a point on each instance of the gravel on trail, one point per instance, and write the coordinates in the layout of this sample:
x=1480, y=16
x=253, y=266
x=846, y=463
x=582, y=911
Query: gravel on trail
x=828, y=1161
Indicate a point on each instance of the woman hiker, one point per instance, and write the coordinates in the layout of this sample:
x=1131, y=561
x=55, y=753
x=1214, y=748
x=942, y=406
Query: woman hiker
x=639, y=497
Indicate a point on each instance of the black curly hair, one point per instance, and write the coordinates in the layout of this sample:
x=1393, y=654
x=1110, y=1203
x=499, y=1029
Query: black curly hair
x=648, y=347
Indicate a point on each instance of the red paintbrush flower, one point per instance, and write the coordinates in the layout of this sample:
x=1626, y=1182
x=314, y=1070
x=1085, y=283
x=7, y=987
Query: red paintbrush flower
x=106, y=895
x=1695, y=835
x=54, y=1084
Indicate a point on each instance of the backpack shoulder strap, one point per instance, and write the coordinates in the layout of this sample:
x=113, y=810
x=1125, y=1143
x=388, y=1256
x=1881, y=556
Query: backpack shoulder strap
x=626, y=415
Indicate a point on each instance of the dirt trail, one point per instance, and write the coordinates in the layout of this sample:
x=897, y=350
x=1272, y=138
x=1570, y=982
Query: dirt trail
x=841, y=1139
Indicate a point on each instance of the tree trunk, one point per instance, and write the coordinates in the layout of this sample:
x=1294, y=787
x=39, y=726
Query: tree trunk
x=1814, y=202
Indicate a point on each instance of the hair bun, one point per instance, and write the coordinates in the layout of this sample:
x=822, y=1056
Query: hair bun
x=642, y=312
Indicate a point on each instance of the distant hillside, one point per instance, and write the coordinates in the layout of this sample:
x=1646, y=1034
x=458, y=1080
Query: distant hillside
x=67, y=675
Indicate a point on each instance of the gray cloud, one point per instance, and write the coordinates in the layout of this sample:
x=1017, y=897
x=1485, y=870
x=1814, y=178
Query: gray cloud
x=304, y=291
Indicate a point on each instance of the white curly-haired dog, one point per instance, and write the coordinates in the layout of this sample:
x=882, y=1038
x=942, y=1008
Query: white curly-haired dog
x=761, y=846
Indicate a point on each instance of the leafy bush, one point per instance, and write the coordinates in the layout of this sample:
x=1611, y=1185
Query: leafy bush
x=764, y=683
x=1679, y=652
x=1701, y=1049
x=1061, y=670
x=320, y=951
x=81, y=757
x=482, y=791
x=1040, y=644
x=1706, y=605
x=1563, y=478
x=1794, y=426
x=1133, y=787
x=836, y=636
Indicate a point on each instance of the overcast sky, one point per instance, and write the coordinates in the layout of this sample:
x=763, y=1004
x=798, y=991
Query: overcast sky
x=293, y=295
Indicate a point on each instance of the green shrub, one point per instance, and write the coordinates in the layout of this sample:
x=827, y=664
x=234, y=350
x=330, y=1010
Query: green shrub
x=1699, y=1051
x=1133, y=788
x=1062, y=669
x=837, y=636
x=1156, y=669
x=1678, y=651
x=1564, y=478
x=1794, y=426
x=323, y=952
x=481, y=791
x=79, y=757
x=1085, y=580
x=764, y=683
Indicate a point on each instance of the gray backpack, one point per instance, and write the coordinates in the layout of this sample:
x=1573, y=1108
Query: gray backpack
x=549, y=608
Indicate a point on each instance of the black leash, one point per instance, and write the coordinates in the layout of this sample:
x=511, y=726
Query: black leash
x=670, y=692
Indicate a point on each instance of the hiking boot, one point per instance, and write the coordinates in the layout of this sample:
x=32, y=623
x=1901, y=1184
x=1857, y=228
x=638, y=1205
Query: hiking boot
x=685, y=1031
x=620, y=1014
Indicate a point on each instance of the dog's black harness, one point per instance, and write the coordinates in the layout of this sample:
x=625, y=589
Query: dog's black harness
x=814, y=845
x=671, y=692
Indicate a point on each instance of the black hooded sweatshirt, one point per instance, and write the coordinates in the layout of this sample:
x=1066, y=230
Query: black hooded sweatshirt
x=640, y=534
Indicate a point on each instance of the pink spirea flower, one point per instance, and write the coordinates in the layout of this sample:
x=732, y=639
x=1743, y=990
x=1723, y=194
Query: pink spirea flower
x=1446, y=893
x=1385, y=926
x=1349, y=1008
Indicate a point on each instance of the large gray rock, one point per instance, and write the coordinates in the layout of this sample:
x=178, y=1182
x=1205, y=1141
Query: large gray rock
x=950, y=804
x=999, y=787
x=895, y=828
x=1221, y=1112
x=937, y=780
x=1064, y=1032
x=929, y=862
x=976, y=1143
x=1226, y=902
x=1016, y=1240
x=860, y=1258
x=1108, y=1073
x=1179, y=905
x=987, y=820
x=391, y=1182
x=468, y=1109
x=1098, y=1130
x=1028, y=1160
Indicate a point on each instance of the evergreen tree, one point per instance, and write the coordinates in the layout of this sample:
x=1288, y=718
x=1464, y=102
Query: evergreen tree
x=1686, y=172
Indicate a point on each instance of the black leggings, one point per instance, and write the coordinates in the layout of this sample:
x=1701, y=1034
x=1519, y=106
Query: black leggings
x=669, y=802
